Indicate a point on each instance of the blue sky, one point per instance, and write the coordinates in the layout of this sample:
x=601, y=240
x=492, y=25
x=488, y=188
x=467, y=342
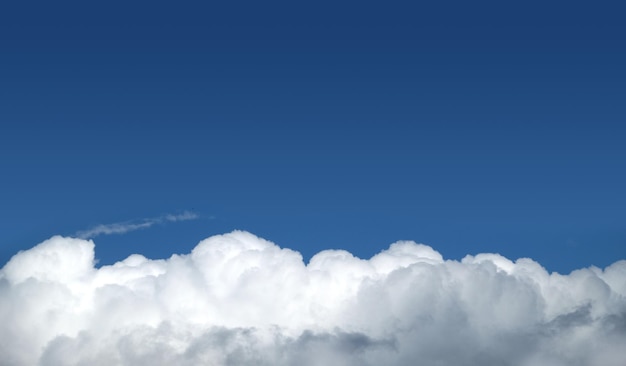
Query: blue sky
x=471, y=128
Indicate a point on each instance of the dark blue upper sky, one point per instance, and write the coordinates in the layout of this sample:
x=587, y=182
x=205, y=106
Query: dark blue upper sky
x=469, y=127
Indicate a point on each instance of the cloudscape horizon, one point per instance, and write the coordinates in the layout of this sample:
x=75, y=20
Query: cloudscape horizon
x=239, y=299
x=310, y=183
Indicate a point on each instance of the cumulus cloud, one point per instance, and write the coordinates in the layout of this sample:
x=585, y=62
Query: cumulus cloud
x=126, y=226
x=237, y=299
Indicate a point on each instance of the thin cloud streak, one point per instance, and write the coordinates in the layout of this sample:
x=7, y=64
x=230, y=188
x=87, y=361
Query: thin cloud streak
x=127, y=226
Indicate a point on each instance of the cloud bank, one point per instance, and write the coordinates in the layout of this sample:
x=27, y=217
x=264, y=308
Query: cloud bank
x=237, y=299
x=126, y=226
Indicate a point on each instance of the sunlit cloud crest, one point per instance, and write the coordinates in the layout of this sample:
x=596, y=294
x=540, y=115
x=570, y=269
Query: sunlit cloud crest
x=239, y=299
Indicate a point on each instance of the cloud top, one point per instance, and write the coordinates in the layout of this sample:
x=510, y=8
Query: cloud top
x=239, y=299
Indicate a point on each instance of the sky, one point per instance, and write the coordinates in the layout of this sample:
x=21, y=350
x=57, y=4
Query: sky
x=240, y=173
x=469, y=127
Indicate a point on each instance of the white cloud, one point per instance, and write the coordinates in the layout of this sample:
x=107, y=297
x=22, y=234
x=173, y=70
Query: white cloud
x=124, y=227
x=237, y=299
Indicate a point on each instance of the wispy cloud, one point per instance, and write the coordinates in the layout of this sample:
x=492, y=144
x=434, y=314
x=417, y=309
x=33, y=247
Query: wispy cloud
x=126, y=226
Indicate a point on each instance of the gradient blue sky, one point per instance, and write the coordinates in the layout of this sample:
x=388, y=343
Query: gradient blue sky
x=473, y=128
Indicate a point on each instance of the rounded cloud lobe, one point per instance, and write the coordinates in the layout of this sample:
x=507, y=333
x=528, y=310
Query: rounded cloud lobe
x=237, y=299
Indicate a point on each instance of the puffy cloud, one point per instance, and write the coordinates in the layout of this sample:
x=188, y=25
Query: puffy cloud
x=237, y=299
